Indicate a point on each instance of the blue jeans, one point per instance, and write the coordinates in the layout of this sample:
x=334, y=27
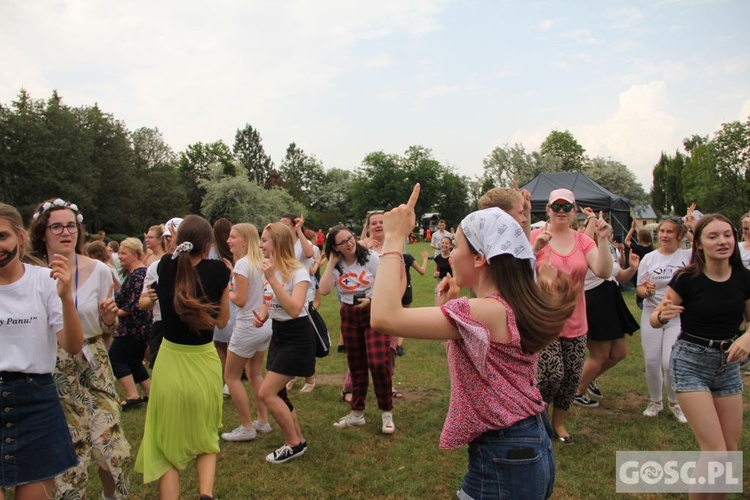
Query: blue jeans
x=516, y=462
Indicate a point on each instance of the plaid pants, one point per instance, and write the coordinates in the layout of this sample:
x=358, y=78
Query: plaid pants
x=366, y=349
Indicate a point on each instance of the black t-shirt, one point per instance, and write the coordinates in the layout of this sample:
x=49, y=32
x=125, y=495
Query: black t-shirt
x=214, y=276
x=443, y=266
x=640, y=250
x=408, y=262
x=713, y=310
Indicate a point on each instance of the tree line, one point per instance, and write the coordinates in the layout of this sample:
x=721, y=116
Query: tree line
x=125, y=180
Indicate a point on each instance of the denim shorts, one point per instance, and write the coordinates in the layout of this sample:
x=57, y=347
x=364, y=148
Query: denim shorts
x=494, y=474
x=35, y=442
x=695, y=368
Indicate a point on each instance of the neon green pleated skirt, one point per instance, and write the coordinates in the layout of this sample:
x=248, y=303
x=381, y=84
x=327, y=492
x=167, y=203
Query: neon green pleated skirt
x=184, y=409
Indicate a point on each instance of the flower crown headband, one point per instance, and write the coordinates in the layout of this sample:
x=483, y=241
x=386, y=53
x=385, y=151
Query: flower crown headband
x=58, y=203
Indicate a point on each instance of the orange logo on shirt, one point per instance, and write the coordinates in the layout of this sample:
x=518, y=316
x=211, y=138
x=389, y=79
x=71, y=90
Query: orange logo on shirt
x=350, y=281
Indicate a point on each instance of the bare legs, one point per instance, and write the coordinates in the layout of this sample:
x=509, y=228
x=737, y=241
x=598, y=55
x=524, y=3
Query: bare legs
x=233, y=376
x=286, y=419
x=603, y=355
x=715, y=422
x=169, y=483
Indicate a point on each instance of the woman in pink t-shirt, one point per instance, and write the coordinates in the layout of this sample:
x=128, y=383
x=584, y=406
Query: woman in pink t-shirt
x=492, y=341
x=570, y=251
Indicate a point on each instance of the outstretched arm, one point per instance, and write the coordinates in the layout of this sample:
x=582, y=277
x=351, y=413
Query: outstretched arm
x=387, y=314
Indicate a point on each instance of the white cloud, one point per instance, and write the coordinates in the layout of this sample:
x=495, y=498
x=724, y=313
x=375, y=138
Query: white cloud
x=548, y=24
x=377, y=61
x=438, y=90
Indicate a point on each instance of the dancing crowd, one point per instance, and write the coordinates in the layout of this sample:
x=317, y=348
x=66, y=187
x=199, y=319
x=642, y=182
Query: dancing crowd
x=180, y=317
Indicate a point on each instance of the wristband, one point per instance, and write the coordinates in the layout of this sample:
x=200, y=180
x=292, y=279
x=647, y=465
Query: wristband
x=660, y=319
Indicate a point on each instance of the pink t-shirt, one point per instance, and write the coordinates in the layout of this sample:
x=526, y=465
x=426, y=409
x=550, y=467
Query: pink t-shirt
x=576, y=266
x=493, y=385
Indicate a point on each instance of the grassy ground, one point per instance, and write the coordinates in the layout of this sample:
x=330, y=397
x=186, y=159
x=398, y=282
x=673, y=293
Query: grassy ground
x=363, y=463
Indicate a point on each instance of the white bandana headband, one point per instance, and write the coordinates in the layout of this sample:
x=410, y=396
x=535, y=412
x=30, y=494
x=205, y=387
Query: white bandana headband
x=493, y=232
x=185, y=246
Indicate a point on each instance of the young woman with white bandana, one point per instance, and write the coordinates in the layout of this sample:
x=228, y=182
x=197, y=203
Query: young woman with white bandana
x=495, y=405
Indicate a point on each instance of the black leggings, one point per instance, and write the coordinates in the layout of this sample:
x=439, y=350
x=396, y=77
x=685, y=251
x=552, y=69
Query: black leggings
x=126, y=354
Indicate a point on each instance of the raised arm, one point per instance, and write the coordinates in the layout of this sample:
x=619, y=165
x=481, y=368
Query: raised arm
x=387, y=314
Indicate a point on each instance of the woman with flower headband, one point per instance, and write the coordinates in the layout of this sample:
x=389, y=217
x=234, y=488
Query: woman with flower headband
x=184, y=411
x=574, y=253
x=492, y=345
x=85, y=381
x=654, y=274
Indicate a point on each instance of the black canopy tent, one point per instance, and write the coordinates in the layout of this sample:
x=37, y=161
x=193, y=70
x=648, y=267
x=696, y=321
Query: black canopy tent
x=587, y=192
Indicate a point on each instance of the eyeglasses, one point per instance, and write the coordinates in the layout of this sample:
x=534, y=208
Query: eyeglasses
x=58, y=228
x=745, y=229
x=565, y=207
x=344, y=242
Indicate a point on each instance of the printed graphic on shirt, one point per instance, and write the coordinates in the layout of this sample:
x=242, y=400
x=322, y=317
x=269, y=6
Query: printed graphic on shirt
x=353, y=281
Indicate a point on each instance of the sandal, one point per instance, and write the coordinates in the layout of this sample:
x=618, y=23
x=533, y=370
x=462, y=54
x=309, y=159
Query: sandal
x=397, y=394
x=131, y=403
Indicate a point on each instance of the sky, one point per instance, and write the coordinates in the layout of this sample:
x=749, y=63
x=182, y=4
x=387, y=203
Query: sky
x=342, y=79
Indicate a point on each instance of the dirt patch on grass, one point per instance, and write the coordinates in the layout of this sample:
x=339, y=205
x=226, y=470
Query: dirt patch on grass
x=412, y=394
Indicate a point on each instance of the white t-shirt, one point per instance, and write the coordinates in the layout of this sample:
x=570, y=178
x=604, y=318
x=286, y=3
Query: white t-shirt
x=30, y=317
x=744, y=255
x=275, y=311
x=255, y=283
x=356, y=278
x=89, y=295
x=152, y=276
x=659, y=269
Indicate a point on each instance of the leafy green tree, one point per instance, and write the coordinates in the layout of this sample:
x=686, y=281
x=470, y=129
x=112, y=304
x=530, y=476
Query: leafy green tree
x=617, y=178
x=249, y=152
x=659, y=186
x=732, y=149
x=195, y=165
x=380, y=183
x=511, y=163
x=565, y=147
x=301, y=173
x=701, y=182
x=241, y=200
x=330, y=201
x=163, y=195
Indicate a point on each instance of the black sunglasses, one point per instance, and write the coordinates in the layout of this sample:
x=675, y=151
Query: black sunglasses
x=565, y=207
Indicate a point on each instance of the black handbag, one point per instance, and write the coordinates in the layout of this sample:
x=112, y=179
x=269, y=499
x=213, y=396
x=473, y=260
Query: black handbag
x=322, y=339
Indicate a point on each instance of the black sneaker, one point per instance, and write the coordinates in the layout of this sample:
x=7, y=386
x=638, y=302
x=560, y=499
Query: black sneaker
x=341, y=348
x=286, y=453
x=400, y=350
x=583, y=400
x=593, y=390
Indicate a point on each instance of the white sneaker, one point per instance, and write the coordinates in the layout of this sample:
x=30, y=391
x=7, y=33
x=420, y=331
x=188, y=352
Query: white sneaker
x=388, y=427
x=307, y=387
x=677, y=412
x=225, y=391
x=290, y=385
x=263, y=428
x=241, y=433
x=350, y=420
x=653, y=409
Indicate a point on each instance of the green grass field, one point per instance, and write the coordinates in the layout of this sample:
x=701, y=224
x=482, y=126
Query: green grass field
x=363, y=463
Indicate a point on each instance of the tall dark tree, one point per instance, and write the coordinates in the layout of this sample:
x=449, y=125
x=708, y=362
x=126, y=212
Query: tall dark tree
x=248, y=151
x=565, y=147
x=301, y=173
x=196, y=164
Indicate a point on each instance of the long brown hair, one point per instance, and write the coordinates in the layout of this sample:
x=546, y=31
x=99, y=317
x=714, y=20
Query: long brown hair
x=39, y=223
x=190, y=307
x=222, y=227
x=541, y=309
x=698, y=258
